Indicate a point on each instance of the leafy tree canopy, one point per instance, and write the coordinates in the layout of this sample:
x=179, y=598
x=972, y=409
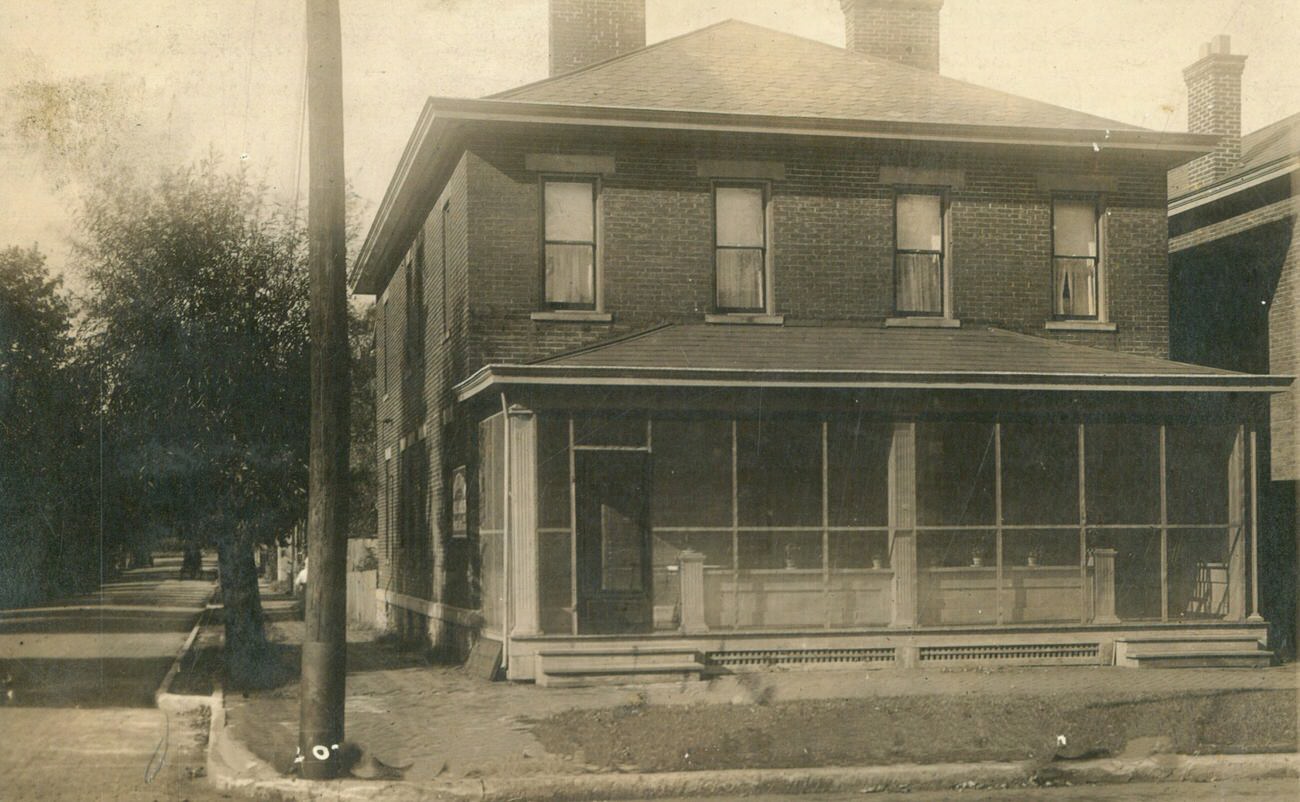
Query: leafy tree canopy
x=197, y=316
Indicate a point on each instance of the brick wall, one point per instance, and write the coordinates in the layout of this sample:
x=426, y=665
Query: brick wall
x=906, y=31
x=1214, y=107
x=832, y=244
x=420, y=440
x=1284, y=359
x=583, y=32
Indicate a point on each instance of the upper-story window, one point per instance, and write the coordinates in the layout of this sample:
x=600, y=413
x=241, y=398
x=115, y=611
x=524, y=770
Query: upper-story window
x=919, y=267
x=569, y=226
x=740, y=256
x=1076, y=259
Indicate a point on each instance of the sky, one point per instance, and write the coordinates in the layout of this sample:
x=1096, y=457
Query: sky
x=167, y=82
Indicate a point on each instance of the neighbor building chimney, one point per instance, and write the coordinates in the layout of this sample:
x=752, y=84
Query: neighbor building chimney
x=583, y=32
x=906, y=31
x=1214, y=107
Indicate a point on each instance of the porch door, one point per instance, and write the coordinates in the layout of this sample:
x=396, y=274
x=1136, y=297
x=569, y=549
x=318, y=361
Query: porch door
x=612, y=493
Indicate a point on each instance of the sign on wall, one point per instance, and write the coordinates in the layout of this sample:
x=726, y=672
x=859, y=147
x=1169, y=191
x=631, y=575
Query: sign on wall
x=459, y=503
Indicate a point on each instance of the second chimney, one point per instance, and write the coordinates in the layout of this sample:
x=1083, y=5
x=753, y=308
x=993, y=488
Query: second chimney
x=1214, y=107
x=906, y=31
x=583, y=32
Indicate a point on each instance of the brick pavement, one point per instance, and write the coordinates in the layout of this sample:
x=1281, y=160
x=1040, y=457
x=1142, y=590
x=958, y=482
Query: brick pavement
x=446, y=724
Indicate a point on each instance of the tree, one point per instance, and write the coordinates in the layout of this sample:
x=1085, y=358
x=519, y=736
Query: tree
x=197, y=317
x=47, y=497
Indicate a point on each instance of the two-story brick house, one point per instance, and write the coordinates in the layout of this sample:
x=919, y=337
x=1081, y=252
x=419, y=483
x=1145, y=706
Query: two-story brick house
x=742, y=349
x=1234, y=216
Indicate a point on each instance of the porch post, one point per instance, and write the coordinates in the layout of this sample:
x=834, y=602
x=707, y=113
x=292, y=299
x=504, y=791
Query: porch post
x=1237, y=528
x=902, y=523
x=1103, y=590
x=522, y=505
x=1253, y=511
x=690, y=573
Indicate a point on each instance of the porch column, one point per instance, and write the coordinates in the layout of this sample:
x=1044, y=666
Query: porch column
x=902, y=522
x=525, y=617
x=1103, y=586
x=1237, y=528
x=690, y=573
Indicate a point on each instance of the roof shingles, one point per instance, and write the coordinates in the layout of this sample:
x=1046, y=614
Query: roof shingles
x=735, y=67
x=865, y=349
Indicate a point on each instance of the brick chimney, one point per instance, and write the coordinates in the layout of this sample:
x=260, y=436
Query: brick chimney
x=583, y=32
x=1214, y=107
x=906, y=31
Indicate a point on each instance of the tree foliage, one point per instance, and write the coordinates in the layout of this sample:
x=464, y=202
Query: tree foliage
x=47, y=494
x=197, y=316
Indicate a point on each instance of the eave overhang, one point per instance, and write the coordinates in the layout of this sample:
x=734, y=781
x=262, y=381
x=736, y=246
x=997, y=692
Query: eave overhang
x=1234, y=184
x=501, y=376
x=434, y=146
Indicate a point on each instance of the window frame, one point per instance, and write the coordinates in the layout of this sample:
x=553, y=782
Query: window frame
x=1100, y=300
x=767, y=305
x=945, y=282
x=597, y=301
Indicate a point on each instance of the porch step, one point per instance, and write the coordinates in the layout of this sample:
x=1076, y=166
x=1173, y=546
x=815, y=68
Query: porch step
x=1204, y=659
x=617, y=666
x=1211, y=651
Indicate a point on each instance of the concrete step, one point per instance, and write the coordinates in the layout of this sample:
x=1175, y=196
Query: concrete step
x=617, y=666
x=1139, y=646
x=1231, y=658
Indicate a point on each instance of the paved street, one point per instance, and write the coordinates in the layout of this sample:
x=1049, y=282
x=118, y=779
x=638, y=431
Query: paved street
x=81, y=723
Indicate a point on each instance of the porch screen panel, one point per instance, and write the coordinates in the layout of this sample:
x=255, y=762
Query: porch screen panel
x=691, y=510
x=491, y=522
x=1122, y=483
x=1122, y=462
x=956, y=511
x=1041, y=580
x=1199, y=487
x=779, y=499
x=1136, y=576
x=1197, y=459
x=857, y=506
x=1200, y=580
x=554, y=536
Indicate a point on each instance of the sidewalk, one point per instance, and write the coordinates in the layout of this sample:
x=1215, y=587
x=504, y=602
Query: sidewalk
x=451, y=730
x=78, y=717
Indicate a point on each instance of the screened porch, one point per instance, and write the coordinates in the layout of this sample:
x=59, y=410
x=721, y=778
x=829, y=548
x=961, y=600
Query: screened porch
x=695, y=524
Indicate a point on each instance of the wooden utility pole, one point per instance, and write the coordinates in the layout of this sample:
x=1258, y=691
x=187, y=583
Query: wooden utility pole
x=324, y=648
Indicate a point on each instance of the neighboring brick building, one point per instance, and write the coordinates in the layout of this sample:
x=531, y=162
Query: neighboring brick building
x=1235, y=262
x=744, y=349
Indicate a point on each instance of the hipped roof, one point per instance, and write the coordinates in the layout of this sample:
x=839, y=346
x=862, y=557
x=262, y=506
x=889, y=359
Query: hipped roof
x=738, y=68
x=861, y=357
x=739, y=78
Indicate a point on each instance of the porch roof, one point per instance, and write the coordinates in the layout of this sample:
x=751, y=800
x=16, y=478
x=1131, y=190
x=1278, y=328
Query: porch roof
x=860, y=357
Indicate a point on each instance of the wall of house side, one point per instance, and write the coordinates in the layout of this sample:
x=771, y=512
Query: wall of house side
x=420, y=438
x=832, y=240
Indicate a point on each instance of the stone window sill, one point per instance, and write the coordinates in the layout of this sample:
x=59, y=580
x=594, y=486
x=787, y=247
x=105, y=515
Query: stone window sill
x=923, y=322
x=574, y=316
x=1079, y=325
x=745, y=319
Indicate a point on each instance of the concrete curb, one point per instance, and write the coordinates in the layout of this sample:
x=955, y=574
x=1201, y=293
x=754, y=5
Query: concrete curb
x=163, y=698
x=233, y=767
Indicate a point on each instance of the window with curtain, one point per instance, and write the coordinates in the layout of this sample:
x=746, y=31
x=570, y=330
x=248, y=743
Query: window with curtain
x=569, y=208
x=1075, y=259
x=740, y=258
x=918, y=254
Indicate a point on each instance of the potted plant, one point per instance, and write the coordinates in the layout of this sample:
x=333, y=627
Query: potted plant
x=977, y=556
x=1031, y=559
x=877, y=561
